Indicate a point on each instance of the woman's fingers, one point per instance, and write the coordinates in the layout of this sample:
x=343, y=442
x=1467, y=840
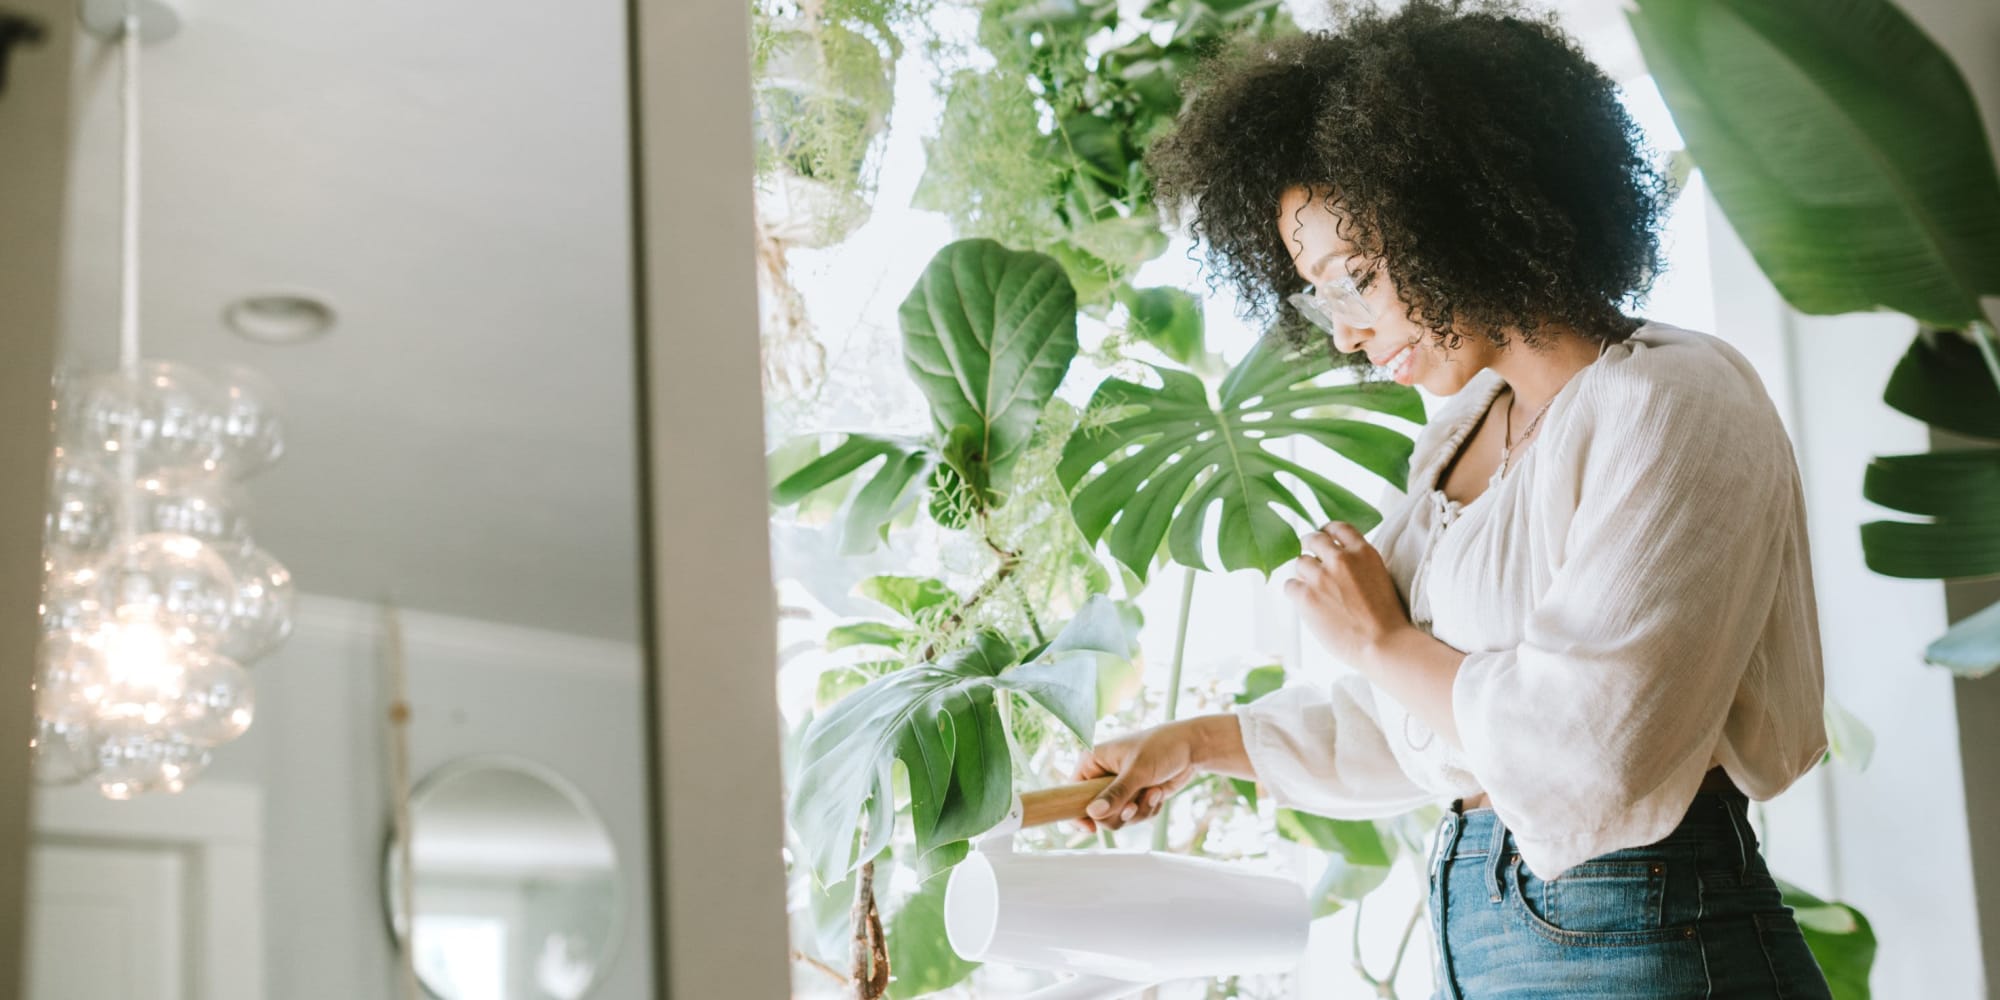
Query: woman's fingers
x=1346, y=534
x=1087, y=768
x=1323, y=548
x=1144, y=806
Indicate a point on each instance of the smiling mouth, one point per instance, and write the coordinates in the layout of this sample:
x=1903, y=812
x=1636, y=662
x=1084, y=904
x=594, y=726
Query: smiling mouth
x=1399, y=362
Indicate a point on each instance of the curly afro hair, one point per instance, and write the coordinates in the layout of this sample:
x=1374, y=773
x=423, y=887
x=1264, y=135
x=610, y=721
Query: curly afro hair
x=1474, y=152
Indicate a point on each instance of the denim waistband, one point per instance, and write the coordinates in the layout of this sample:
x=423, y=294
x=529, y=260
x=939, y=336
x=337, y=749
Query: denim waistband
x=1476, y=836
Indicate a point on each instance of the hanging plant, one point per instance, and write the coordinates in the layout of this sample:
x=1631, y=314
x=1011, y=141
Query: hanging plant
x=1045, y=149
x=821, y=102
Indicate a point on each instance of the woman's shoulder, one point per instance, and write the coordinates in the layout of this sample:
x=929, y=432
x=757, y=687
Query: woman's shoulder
x=1675, y=369
x=1672, y=381
x=1684, y=413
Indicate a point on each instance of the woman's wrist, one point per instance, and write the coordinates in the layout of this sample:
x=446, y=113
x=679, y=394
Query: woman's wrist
x=1216, y=745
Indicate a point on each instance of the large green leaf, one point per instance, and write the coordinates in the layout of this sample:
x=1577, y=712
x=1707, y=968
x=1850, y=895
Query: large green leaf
x=905, y=465
x=1163, y=457
x=1841, y=939
x=940, y=720
x=1842, y=144
x=988, y=334
x=1360, y=841
x=1359, y=856
x=1942, y=381
x=921, y=960
x=1958, y=490
x=1169, y=319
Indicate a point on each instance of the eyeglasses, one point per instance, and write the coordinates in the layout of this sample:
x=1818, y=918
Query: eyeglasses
x=1336, y=301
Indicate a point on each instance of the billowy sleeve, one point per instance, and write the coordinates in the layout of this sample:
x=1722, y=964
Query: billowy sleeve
x=1594, y=731
x=1322, y=750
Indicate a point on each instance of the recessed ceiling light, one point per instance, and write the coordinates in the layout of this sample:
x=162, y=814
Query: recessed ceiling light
x=280, y=319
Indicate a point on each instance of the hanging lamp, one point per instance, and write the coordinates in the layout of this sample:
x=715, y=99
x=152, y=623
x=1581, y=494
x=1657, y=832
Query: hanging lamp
x=155, y=598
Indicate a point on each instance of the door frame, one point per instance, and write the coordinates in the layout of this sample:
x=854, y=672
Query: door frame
x=217, y=826
x=711, y=616
x=34, y=130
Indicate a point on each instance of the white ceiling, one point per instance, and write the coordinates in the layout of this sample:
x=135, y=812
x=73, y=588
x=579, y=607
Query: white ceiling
x=452, y=177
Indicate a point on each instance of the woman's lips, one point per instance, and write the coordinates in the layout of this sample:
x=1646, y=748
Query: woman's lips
x=1398, y=364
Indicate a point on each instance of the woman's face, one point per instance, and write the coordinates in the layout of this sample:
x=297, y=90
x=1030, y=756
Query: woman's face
x=1310, y=230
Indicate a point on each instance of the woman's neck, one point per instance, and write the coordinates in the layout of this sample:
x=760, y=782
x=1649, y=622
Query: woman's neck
x=1534, y=376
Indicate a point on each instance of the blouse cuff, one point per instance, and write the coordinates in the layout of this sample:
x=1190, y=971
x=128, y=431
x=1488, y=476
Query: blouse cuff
x=1267, y=759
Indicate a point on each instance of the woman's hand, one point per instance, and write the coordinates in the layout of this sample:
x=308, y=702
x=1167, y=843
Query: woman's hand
x=1150, y=765
x=1346, y=595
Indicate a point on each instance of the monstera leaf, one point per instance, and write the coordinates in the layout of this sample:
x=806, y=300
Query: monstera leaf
x=1166, y=456
x=1842, y=144
x=988, y=334
x=941, y=721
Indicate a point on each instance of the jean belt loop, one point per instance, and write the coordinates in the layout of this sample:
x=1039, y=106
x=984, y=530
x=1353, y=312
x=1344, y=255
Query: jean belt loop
x=1497, y=854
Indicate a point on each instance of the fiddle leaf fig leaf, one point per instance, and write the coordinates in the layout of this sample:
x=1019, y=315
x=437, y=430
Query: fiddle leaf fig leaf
x=988, y=333
x=1164, y=457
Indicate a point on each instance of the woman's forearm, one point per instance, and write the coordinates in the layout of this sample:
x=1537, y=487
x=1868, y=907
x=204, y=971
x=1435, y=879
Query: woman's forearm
x=1218, y=746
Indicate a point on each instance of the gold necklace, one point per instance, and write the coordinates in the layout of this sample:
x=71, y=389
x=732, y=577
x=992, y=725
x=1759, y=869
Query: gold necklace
x=1508, y=431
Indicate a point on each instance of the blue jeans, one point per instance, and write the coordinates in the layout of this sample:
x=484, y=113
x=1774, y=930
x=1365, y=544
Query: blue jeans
x=1695, y=914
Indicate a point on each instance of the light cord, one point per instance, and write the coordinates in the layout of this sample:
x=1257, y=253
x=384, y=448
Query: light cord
x=128, y=325
x=128, y=272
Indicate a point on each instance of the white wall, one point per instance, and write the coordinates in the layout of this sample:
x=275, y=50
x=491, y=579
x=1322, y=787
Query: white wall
x=317, y=749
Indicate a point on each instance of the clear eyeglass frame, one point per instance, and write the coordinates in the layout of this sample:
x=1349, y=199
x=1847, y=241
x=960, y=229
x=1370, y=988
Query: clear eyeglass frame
x=1331, y=302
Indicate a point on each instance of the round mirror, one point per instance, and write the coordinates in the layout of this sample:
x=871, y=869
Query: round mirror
x=516, y=890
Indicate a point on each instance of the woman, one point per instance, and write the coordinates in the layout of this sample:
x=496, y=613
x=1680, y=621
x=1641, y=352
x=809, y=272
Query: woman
x=1590, y=626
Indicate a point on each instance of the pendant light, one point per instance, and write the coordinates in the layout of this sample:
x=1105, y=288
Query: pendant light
x=155, y=598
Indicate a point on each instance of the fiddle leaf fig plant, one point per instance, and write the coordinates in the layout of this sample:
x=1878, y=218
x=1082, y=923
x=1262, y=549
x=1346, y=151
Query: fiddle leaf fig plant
x=1167, y=458
x=988, y=334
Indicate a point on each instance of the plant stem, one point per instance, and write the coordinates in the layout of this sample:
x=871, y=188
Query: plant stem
x=1388, y=985
x=1028, y=611
x=870, y=952
x=833, y=973
x=1009, y=561
x=1174, y=691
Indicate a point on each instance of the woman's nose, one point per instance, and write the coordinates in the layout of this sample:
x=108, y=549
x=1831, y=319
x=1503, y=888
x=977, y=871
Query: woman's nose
x=1348, y=338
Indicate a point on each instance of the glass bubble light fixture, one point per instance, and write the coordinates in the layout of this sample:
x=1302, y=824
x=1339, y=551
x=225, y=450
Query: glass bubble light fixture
x=156, y=599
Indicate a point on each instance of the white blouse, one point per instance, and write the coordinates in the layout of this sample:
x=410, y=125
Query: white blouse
x=1635, y=600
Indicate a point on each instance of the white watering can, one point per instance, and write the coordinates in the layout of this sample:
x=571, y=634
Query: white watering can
x=1122, y=921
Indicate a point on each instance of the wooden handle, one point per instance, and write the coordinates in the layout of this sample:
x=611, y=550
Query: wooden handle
x=1053, y=805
